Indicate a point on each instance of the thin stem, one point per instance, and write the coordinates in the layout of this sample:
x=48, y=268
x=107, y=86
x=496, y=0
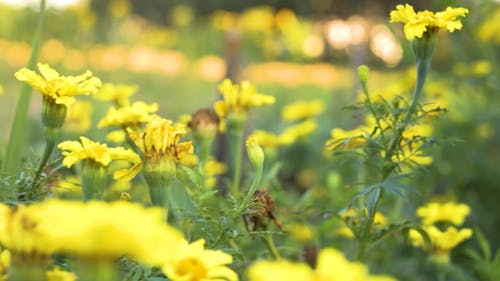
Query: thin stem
x=268, y=240
x=235, y=143
x=422, y=70
x=365, y=236
x=49, y=147
x=18, y=130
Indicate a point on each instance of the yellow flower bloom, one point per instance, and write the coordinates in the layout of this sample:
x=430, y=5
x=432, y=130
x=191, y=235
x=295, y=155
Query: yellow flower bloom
x=78, y=119
x=269, y=140
x=302, y=109
x=212, y=169
x=131, y=115
x=195, y=263
x=443, y=212
x=292, y=133
x=160, y=146
x=5, y=258
x=95, y=229
x=74, y=151
x=239, y=98
x=418, y=23
x=61, y=89
x=346, y=138
x=279, y=270
x=442, y=242
x=59, y=275
x=301, y=233
x=331, y=266
x=117, y=93
x=117, y=136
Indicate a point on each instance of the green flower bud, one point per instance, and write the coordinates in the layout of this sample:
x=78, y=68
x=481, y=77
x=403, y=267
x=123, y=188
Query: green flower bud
x=255, y=154
x=423, y=47
x=363, y=73
x=94, y=180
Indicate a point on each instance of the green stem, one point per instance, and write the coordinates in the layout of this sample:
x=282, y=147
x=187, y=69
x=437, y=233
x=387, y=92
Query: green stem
x=423, y=66
x=27, y=267
x=235, y=143
x=18, y=130
x=49, y=147
x=268, y=240
x=95, y=269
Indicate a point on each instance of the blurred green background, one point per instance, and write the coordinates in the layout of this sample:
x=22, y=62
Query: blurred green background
x=178, y=52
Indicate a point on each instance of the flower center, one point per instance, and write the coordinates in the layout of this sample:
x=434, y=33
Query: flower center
x=193, y=267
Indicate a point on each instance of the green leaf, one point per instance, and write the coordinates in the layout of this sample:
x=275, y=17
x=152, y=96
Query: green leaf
x=372, y=199
x=483, y=243
x=178, y=197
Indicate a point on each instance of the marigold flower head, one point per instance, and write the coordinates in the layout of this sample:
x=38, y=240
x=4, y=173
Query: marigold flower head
x=130, y=115
x=195, y=263
x=331, y=266
x=442, y=241
x=416, y=24
x=160, y=146
x=239, y=98
x=95, y=229
x=74, y=151
x=443, y=212
x=117, y=93
x=301, y=110
x=60, y=89
x=59, y=275
x=297, y=131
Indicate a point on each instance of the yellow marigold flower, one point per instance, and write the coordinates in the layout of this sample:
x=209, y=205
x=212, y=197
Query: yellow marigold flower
x=269, y=140
x=239, y=98
x=418, y=130
x=443, y=212
x=346, y=138
x=442, y=242
x=301, y=110
x=74, y=151
x=211, y=169
x=279, y=270
x=344, y=231
x=78, y=119
x=195, y=263
x=301, y=233
x=331, y=266
x=117, y=93
x=418, y=23
x=93, y=230
x=117, y=136
x=160, y=146
x=292, y=133
x=59, y=275
x=128, y=116
x=61, y=89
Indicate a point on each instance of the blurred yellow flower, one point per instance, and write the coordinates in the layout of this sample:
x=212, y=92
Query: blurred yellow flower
x=302, y=109
x=443, y=212
x=60, y=89
x=346, y=138
x=331, y=266
x=78, y=119
x=211, y=170
x=279, y=270
x=59, y=275
x=128, y=116
x=94, y=229
x=117, y=136
x=195, y=263
x=5, y=258
x=74, y=151
x=301, y=233
x=160, y=146
x=294, y=132
x=239, y=98
x=268, y=139
x=119, y=94
x=425, y=21
x=418, y=130
x=1, y=90
x=442, y=242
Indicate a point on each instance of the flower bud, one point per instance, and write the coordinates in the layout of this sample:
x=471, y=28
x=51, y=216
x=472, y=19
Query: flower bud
x=363, y=73
x=255, y=153
x=423, y=47
x=94, y=179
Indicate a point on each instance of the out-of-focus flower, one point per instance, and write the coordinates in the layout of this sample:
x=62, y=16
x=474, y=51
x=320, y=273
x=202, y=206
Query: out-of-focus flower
x=442, y=241
x=292, y=133
x=117, y=93
x=489, y=30
x=78, y=119
x=268, y=139
x=302, y=110
x=5, y=258
x=301, y=233
x=128, y=116
x=443, y=212
x=60, y=89
x=89, y=230
x=416, y=24
x=331, y=266
x=195, y=263
x=59, y=275
x=346, y=138
x=211, y=169
x=117, y=136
